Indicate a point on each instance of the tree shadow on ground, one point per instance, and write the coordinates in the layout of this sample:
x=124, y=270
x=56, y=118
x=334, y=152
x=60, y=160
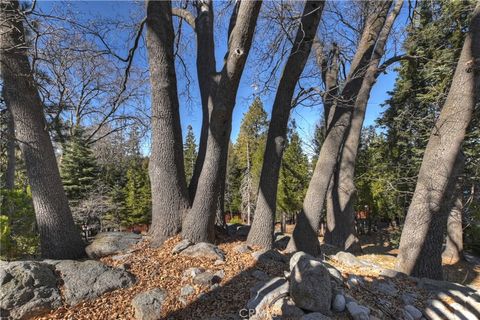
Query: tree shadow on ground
x=228, y=301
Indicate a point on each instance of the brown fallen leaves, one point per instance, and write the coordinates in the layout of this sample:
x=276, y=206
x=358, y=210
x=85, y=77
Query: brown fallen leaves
x=158, y=268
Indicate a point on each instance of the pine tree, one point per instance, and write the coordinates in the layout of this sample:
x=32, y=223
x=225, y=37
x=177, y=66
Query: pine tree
x=249, y=151
x=189, y=153
x=138, y=202
x=78, y=167
x=294, y=176
x=233, y=199
x=420, y=90
x=317, y=141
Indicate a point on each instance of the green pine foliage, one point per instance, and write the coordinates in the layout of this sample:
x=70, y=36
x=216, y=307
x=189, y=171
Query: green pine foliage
x=435, y=38
x=245, y=159
x=189, y=153
x=18, y=232
x=233, y=199
x=294, y=176
x=138, y=201
x=78, y=167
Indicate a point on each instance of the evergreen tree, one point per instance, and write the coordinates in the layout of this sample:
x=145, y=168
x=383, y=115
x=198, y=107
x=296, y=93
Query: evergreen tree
x=78, y=167
x=249, y=151
x=233, y=199
x=317, y=141
x=189, y=153
x=138, y=202
x=436, y=37
x=294, y=176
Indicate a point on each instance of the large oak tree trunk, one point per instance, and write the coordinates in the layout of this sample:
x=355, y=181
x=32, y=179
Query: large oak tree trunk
x=262, y=230
x=11, y=159
x=205, y=74
x=59, y=237
x=305, y=234
x=453, y=251
x=166, y=168
x=198, y=225
x=424, y=229
x=340, y=211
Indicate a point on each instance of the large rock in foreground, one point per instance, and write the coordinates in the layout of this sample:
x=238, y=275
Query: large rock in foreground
x=90, y=279
x=310, y=286
x=27, y=289
x=108, y=243
x=148, y=305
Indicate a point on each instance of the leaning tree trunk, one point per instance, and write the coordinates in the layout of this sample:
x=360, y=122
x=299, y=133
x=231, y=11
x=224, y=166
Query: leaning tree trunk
x=166, y=168
x=205, y=74
x=453, y=251
x=305, y=234
x=262, y=230
x=340, y=211
x=59, y=237
x=422, y=237
x=198, y=224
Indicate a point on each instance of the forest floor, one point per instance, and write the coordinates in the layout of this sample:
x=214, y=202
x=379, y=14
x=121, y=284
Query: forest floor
x=158, y=268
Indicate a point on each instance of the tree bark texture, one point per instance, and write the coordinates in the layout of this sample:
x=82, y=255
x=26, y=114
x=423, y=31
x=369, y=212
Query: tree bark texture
x=11, y=159
x=166, y=168
x=205, y=74
x=59, y=237
x=341, y=213
x=305, y=233
x=422, y=237
x=197, y=226
x=262, y=230
x=453, y=251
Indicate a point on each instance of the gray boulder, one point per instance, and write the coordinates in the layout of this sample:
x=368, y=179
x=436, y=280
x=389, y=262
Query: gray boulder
x=182, y=245
x=108, y=243
x=358, y=312
x=287, y=309
x=205, y=251
x=339, y=303
x=413, y=312
x=242, y=248
x=354, y=281
x=269, y=256
x=242, y=231
x=185, y=292
x=89, y=279
x=265, y=293
x=27, y=289
x=192, y=272
x=148, y=305
x=206, y=279
x=310, y=286
x=349, y=259
x=281, y=241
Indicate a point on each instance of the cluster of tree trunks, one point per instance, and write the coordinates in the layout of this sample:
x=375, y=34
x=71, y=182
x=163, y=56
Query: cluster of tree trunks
x=339, y=119
x=195, y=209
x=262, y=229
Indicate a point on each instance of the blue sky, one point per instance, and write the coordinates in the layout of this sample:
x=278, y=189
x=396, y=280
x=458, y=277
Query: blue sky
x=305, y=117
